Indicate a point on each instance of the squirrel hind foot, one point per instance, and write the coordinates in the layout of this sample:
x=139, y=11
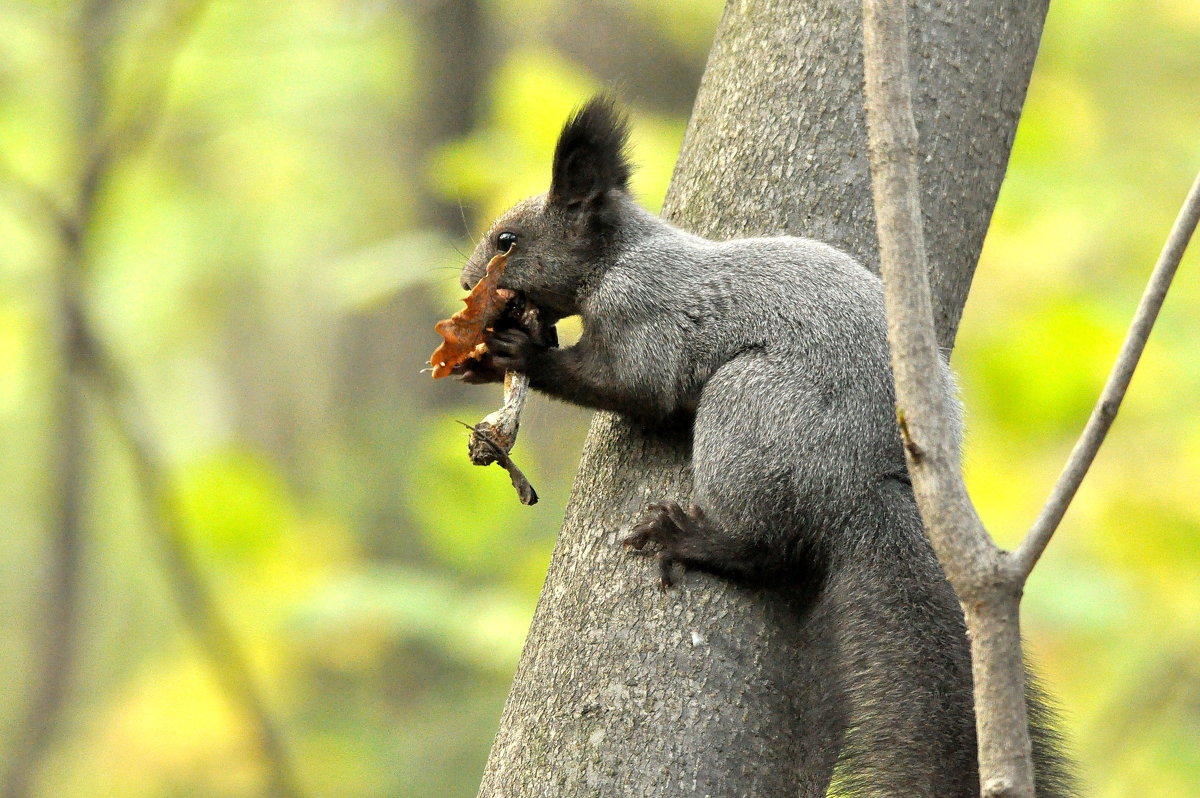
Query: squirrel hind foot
x=681, y=536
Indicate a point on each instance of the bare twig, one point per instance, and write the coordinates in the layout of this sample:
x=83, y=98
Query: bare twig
x=167, y=40
x=485, y=449
x=977, y=569
x=494, y=437
x=29, y=197
x=988, y=580
x=196, y=602
x=85, y=357
x=922, y=401
x=1105, y=411
x=54, y=653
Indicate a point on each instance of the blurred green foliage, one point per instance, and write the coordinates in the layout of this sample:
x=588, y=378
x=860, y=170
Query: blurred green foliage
x=267, y=268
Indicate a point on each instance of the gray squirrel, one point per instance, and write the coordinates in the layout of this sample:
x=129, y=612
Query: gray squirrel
x=773, y=353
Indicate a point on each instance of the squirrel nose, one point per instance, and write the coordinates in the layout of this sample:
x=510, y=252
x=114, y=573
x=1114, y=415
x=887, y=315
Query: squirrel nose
x=465, y=283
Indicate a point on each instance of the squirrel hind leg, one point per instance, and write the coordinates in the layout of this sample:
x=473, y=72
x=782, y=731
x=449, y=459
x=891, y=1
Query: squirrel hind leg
x=686, y=537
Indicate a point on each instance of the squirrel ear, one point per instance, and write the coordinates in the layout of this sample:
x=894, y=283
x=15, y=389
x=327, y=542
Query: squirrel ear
x=589, y=160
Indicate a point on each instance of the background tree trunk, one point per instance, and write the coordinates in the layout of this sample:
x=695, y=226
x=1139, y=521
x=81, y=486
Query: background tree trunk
x=622, y=690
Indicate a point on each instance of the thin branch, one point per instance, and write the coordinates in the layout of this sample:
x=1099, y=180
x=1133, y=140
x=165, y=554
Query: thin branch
x=30, y=197
x=977, y=569
x=197, y=605
x=923, y=403
x=53, y=656
x=167, y=40
x=56, y=653
x=87, y=361
x=192, y=594
x=1105, y=411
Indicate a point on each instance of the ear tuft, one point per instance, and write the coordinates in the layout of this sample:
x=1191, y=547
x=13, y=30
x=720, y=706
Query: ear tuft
x=590, y=159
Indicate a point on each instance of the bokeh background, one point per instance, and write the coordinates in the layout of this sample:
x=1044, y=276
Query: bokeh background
x=236, y=504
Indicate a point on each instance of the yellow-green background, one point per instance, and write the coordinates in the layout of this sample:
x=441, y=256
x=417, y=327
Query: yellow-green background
x=266, y=269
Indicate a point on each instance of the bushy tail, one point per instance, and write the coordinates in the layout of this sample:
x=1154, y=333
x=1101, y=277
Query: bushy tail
x=907, y=666
x=1053, y=771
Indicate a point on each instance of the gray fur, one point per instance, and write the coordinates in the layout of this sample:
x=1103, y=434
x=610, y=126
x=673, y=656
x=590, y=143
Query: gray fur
x=773, y=351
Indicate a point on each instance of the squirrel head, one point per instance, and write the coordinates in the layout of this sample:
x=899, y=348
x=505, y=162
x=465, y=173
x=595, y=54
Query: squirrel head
x=561, y=240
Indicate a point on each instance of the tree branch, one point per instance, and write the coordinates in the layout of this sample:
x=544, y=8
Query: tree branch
x=195, y=599
x=54, y=654
x=1105, y=411
x=923, y=404
x=85, y=360
x=158, y=59
x=978, y=570
x=29, y=197
x=987, y=580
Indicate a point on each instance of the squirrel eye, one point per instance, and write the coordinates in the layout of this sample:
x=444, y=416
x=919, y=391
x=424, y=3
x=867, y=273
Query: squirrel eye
x=505, y=241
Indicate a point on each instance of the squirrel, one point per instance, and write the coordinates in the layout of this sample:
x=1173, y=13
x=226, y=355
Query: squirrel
x=773, y=352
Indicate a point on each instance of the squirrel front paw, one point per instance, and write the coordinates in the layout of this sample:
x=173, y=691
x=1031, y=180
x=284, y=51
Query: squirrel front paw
x=477, y=371
x=514, y=349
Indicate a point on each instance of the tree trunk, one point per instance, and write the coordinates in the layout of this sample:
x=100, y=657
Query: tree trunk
x=622, y=690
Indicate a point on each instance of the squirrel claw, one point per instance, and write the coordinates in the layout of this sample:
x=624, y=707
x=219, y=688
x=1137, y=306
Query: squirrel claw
x=638, y=539
x=666, y=578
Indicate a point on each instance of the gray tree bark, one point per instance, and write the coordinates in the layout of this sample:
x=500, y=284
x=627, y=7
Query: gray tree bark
x=622, y=690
